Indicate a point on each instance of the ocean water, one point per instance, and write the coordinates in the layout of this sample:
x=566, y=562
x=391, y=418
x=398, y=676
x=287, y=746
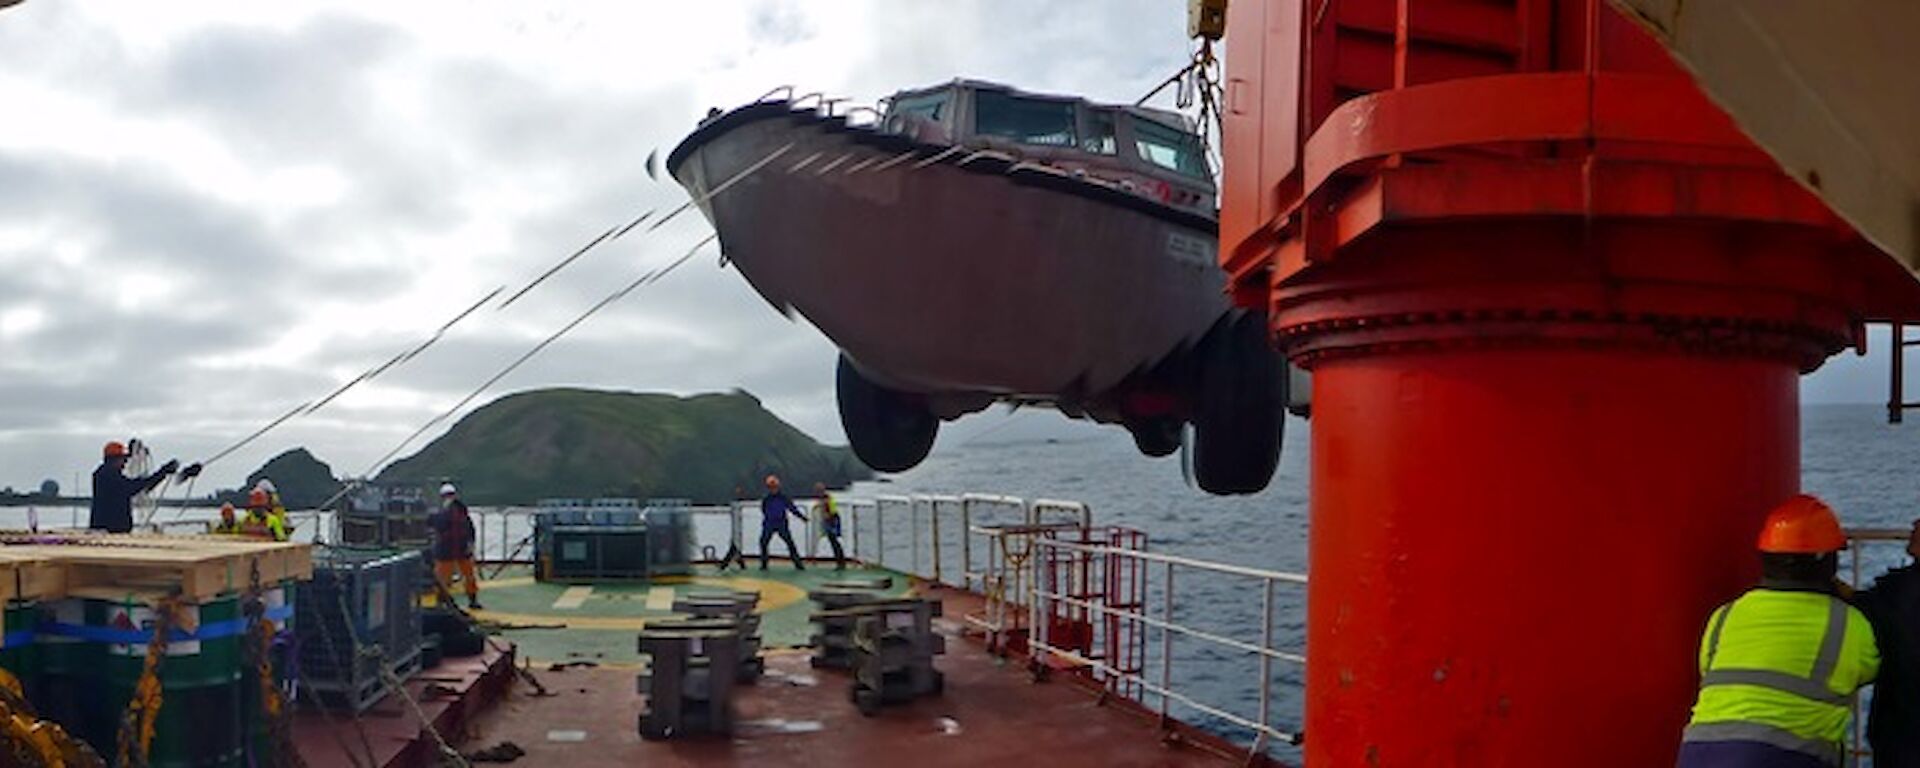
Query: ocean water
x=1851, y=457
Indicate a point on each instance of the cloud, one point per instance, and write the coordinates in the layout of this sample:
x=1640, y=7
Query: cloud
x=210, y=214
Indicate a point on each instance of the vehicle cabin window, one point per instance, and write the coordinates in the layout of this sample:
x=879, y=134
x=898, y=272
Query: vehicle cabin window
x=1099, y=139
x=931, y=106
x=1028, y=121
x=1169, y=148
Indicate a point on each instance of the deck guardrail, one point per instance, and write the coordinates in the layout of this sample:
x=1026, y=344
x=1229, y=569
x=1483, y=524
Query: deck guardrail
x=998, y=546
x=1163, y=688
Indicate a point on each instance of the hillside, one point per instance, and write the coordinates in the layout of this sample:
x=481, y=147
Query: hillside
x=303, y=481
x=583, y=443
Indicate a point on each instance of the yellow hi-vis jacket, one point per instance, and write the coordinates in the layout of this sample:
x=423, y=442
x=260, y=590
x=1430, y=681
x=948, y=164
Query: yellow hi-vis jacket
x=1779, y=667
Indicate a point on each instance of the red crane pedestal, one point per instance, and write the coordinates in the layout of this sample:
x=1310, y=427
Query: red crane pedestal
x=1555, y=306
x=1530, y=486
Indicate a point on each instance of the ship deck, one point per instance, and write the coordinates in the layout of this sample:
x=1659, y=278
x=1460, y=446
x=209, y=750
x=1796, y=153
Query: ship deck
x=580, y=643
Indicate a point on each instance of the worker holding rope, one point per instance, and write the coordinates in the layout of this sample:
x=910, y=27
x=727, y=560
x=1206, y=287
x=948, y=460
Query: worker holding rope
x=113, y=491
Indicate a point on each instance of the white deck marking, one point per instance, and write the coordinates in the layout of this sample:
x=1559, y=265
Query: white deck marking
x=660, y=599
x=573, y=597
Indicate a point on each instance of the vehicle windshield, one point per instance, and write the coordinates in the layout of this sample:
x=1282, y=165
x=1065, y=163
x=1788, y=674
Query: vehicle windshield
x=1099, y=139
x=1169, y=148
x=1028, y=121
x=931, y=106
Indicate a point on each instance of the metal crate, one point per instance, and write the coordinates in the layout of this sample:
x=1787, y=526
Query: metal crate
x=343, y=653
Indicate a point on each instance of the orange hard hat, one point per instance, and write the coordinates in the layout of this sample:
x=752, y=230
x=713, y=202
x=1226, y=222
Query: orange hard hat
x=257, y=498
x=1802, y=525
x=114, y=449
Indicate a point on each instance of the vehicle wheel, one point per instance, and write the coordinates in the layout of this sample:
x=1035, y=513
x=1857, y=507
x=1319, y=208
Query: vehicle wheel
x=1156, y=437
x=652, y=731
x=888, y=430
x=939, y=682
x=867, y=700
x=1239, y=417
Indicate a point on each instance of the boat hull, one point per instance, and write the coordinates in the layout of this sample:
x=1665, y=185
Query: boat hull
x=955, y=275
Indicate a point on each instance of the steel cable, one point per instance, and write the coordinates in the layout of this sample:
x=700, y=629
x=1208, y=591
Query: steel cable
x=645, y=278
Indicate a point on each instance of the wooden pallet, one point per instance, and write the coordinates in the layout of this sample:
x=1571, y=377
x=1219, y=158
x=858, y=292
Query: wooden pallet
x=197, y=568
x=26, y=576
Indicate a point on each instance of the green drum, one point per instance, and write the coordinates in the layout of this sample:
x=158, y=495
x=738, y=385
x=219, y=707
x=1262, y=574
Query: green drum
x=71, y=670
x=19, y=655
x=199, y=723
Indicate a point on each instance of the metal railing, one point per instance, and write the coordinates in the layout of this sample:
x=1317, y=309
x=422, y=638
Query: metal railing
x=1163, y=687
x=934, y=536
x=1007, y=579
x=999, y=547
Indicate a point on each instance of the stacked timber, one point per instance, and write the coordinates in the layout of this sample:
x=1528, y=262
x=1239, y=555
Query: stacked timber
x=89, y=616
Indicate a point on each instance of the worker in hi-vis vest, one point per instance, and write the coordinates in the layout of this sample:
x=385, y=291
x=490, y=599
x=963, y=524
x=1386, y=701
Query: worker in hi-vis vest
x=1779, y=666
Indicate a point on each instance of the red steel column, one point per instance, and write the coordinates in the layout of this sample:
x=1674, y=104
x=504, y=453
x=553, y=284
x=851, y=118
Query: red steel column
x=1540, y=455
x=1555, y=305
x=1515, y=576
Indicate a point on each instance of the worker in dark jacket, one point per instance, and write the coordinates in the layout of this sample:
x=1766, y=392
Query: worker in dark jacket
x=1892, y=605
x=774, y=508
x=453, y=545
x=113, y=491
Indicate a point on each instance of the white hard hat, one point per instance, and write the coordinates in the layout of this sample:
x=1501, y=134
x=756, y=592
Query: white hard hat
x=266, y=485
x=446, y=489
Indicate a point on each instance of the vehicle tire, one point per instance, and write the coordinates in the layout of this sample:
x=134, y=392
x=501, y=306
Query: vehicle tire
x=867, y=701
x=652, y=731
x=462, y=644
x=1156, y=437
x=888, y=430
x=441, y=620
x=1240, y=411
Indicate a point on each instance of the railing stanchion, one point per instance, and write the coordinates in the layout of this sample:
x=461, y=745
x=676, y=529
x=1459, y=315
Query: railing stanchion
x=933, y=521
x=1036, y=633
x=966, y=543
x=1166, y=646
x=1266, y=663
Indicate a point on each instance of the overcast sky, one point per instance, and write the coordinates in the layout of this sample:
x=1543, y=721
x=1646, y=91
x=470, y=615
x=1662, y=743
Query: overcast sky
x=211, y=212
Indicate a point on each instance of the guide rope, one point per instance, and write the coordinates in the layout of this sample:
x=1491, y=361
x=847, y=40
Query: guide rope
x=333, y=653
x=393, y=684
x=137, y=723
x=258, y=649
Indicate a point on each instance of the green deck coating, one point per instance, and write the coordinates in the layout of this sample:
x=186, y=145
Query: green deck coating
x=604, y=627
